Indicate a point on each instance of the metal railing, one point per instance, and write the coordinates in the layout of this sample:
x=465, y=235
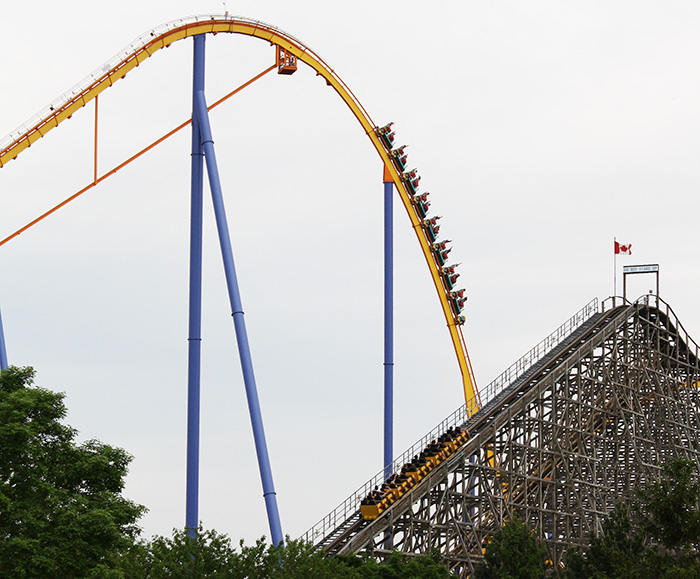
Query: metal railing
x=122, y=56
x=350, y=506
x=656, y=302
x=512, y=373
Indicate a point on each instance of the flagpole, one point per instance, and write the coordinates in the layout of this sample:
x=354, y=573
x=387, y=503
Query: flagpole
x=614, y=271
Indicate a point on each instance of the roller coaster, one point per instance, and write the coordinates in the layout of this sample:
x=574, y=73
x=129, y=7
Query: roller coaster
x=558, y=438
x=289, y=51
x=574, y=426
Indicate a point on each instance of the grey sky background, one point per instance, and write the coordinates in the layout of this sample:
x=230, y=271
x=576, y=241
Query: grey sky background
x=542, y=130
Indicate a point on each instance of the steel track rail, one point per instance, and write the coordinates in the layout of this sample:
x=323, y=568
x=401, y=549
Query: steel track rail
x=161, y=37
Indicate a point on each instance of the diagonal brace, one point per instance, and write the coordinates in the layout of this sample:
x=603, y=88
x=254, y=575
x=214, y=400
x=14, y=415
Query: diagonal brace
x=238, y=319
x=3, y=352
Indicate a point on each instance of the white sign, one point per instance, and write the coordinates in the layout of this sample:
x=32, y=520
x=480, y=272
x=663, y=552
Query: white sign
x=640, y=268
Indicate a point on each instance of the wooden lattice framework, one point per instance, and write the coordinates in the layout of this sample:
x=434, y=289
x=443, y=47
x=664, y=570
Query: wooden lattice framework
x=595, y=419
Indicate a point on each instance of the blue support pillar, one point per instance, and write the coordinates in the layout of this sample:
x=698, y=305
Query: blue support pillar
x=239, y=321
x=388, y=325
x=3, y=351
x=195, y=308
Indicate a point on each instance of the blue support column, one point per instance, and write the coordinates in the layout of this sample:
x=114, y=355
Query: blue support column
x=195, y=308
x=3, y=351
x=388, y=325
x=239, y=322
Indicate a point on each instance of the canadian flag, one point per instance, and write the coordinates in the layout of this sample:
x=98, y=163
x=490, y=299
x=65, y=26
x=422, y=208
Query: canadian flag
x=627, y=249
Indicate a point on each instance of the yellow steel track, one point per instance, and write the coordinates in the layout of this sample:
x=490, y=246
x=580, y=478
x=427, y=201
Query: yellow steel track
x=185, y=28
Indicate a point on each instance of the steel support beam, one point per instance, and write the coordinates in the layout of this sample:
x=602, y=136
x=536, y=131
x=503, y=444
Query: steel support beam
x=239, y=320
x=3, y=350
x=194, y=343
x=388, y=325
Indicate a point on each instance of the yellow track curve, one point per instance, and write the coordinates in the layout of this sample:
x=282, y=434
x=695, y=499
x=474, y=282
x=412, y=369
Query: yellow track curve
x=163, y=37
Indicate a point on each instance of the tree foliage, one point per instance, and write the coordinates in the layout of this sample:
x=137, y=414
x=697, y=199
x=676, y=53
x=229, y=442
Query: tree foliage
x=670, y=508
x=396, y=566
x=662, y=544
x=212, y=556
x=62, y=514
x=618, y=552
x=61, y=509
x=514, y=552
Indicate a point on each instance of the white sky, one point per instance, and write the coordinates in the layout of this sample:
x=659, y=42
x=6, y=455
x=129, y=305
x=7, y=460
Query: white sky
x=542, y=130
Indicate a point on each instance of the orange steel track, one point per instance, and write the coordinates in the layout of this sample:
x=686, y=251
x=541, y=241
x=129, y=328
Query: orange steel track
x=129, y=160
x=164, y=36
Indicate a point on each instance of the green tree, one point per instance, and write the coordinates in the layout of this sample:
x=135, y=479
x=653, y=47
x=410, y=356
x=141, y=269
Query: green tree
x=62, y=514
x=664, y=542
x=514, y=552
x=619, y=552
x=670, y=508
x=396, y=566
x=212, y=556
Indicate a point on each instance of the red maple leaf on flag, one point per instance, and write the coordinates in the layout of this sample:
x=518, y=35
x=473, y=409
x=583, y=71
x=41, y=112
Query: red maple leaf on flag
x=626, y=249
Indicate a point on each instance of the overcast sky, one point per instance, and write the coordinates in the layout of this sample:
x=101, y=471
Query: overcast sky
x=542, y=129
